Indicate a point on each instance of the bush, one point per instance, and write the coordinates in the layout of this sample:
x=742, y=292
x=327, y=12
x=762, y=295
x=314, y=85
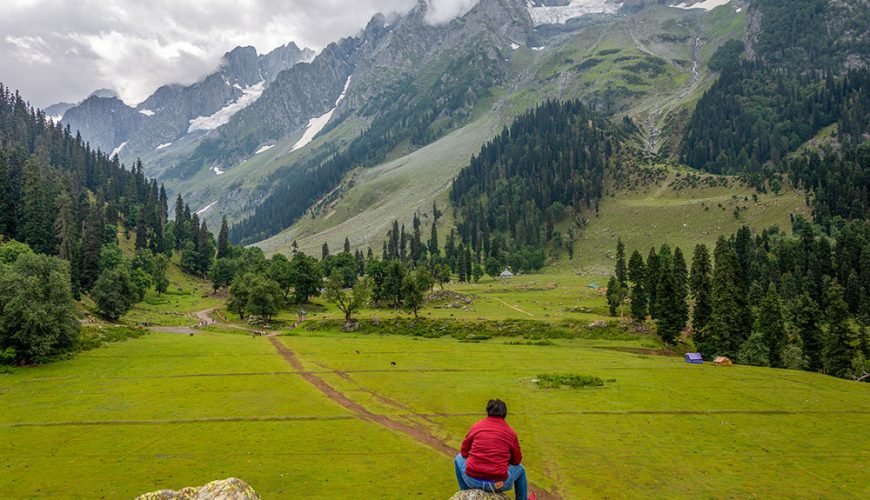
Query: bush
x=557, y=381
x=93, y=337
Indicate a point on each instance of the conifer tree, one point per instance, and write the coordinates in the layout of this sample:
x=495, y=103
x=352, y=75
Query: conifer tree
x=615, y=295
x=324, y=251
x=652, y=280
x=771, y=326
x=727, y=331
x=223, y=247
x=668, y=310
x=621, y=272
x=637, y=275
x=841, y=341
x=681, y=276
x=700, y=284
x=346, y=245
x=433, y=241
x=806, y=314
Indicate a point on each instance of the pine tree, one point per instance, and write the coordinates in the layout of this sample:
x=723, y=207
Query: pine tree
x=620, y=271
x=324, y=251
x=652, y=280
x=615, y=295
x=841, y=343
x=346, y=245
x=205, y=249
x=181, y=235
x=223, y=247
x=806, y=314
x=681, y=276
x=771, y=326
x=92, y=242
x=727, y=331
x=433, y=240
x=637, y=275
x=668, y=310
x=700, y=284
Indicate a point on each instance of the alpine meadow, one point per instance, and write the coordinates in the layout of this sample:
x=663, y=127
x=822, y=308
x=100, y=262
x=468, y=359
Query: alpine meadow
x=465, y=250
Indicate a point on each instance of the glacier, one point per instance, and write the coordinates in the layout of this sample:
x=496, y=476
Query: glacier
x=577, y=8
x=315, y=125
x=222, y=116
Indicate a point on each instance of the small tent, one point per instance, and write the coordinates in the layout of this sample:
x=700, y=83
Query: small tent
x=506, y=274
x=694, y=358
x=722, y=361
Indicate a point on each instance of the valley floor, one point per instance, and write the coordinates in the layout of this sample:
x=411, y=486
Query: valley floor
x=328, y=414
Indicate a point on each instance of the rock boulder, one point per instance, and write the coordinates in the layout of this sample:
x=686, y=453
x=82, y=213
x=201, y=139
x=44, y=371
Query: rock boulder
x=226, y=489
x=479, y=495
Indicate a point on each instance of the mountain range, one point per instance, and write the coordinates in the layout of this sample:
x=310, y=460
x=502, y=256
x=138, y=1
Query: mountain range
x=292, y=146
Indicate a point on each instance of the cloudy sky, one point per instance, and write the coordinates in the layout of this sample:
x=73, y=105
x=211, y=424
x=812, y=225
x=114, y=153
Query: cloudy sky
x=62, y=50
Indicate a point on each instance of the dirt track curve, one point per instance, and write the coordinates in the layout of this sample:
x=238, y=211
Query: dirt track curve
x=417, y=432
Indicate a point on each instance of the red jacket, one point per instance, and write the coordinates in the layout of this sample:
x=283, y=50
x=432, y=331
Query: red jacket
x=489, y=447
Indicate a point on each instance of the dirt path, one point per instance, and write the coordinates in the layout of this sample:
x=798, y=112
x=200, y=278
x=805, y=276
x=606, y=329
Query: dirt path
x=204, y=317
x=417, y=432
x=515, y=308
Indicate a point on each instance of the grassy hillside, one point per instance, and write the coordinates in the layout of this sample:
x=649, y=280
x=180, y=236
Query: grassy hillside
x=681, y=207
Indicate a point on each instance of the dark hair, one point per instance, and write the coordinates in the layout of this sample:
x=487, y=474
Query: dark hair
x=496, y=408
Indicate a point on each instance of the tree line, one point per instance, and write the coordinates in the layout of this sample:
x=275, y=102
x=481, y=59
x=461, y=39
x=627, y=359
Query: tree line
x=767, y=299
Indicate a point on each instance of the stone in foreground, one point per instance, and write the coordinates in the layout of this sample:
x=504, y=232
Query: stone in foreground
x=226, y=489
x=479, y=495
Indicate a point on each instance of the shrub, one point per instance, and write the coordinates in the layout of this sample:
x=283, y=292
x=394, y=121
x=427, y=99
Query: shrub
x=574, y=381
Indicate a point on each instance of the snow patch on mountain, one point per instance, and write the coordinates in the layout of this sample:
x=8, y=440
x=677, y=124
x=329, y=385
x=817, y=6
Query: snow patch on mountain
x=706, y=5
x=217, y=170
x=146, y=112
x=315, y=125
x=118, y=150
x=223, y=115
x=577, y=8
x=264, y=149
x=164, y=146
x=207, y=208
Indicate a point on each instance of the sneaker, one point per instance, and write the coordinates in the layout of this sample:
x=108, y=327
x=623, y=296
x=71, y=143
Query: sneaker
x=533, y=496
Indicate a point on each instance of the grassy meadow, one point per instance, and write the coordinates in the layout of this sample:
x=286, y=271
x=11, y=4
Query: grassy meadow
x=172, y=410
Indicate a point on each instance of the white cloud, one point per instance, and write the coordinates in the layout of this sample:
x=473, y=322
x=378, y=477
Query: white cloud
x=71, y=48
x=443, y=11
x=30, y=49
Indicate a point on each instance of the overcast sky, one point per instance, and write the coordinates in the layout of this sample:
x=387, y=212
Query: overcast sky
x=62, y=50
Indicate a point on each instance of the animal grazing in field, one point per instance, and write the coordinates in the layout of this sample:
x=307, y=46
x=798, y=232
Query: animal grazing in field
x=392, y=363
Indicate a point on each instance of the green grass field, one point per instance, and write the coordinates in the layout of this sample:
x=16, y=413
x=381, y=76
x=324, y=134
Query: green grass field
x=167, y=411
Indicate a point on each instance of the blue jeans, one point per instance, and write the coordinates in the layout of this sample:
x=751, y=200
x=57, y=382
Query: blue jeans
x=516, y=477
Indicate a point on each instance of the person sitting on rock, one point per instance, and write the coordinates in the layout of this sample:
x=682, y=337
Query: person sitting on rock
x=490, y=456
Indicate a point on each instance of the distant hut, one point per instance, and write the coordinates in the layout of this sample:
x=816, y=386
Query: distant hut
x=506, y=274
x=694, y=358
x=722, y=361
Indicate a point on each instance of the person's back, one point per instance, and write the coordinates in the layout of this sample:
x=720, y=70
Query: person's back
x=490, y=456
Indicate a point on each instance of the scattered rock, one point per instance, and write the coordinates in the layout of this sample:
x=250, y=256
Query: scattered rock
x=479, y=495
x=452, y=299
x=226, y=489
x=350, y=326
x=598, y=324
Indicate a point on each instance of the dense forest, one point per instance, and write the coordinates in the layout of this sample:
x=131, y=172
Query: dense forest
x=549, y=163
x=62, y=207
x=769, y=299
x=806, y=70
x=402, y=114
